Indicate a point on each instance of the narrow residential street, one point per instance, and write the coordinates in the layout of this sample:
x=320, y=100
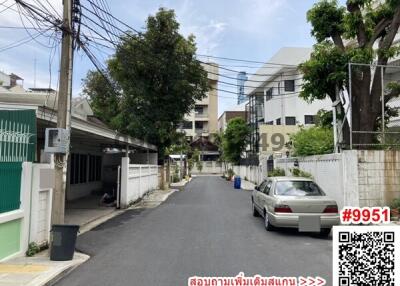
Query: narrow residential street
x=208, y=229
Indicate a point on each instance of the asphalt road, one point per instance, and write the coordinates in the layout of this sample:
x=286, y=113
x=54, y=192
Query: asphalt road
x=207, y=229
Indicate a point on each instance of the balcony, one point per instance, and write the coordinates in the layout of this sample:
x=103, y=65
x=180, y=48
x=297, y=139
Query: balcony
x=201, y=131
x=203, y=115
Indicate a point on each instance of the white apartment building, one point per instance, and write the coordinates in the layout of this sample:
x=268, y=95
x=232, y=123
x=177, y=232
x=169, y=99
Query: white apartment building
x=203, y=119
x=275, y=89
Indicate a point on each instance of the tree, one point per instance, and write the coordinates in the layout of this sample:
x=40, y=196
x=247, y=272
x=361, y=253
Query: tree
x=235, y=139
x=103, y=97
x=369, y=27
x=159, y=79
x=312, y=141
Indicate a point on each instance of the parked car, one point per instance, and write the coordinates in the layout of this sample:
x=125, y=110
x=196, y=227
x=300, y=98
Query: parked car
x=294, y=202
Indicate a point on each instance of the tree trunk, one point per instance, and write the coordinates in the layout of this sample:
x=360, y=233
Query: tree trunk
x=365, y=109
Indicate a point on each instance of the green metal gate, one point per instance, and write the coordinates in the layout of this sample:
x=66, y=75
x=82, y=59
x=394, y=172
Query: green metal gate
x=17, y=145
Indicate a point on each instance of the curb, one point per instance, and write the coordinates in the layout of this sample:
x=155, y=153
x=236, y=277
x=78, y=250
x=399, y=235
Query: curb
x=65, y=272
x=57, y=275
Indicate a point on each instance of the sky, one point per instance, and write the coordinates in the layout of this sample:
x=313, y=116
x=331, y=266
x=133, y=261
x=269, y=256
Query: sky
x=242, y=29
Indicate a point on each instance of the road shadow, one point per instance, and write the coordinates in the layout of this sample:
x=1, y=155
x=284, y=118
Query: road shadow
x=295, y=232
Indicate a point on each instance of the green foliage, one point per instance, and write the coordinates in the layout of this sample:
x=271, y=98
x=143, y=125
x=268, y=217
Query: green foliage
x=33, y=248
x=235, y=139
x=312, y=141
x=230, y=174
x=159, y=79
x=199, y=165
x=277, y=172
x=324, y=118
x=104, y=99
x=296, y=172
x=326, y=19
x=326, y=68
x=395, y=204
x=366, y=25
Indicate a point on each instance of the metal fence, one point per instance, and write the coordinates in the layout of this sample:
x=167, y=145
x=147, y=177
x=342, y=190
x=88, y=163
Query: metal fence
x=17, y=135
x=10, y=185
x=17, y=145
x=386, y=133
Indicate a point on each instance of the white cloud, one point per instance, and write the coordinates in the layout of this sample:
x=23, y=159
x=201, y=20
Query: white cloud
x=208, y=37
x=259, y=16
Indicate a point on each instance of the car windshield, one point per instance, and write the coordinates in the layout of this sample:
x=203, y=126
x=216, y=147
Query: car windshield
x=298, y=188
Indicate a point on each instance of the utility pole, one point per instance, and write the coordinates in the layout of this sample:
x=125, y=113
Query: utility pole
x=63, y=112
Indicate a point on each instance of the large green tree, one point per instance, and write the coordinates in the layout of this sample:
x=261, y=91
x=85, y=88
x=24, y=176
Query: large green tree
x=235, y=139
x=158, y=78
x=362, y=32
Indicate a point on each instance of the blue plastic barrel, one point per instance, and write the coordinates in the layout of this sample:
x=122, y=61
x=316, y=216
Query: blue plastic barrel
x=237, y=182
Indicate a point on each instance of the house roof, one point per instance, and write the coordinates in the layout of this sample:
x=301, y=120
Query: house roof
x=82, y=115
x=286, y=59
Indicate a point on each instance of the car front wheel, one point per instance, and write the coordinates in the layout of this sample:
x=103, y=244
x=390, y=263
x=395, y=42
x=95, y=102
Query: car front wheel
x=268, y=225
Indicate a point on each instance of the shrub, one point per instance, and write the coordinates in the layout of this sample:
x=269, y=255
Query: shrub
x=395, y=204
x=33, y=248
x=276, y=172
x=199, y=165
x=230, y=174
x=296, y=172
x=312, y=141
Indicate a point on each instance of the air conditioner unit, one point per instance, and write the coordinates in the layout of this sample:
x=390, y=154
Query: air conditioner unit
x=57, y=140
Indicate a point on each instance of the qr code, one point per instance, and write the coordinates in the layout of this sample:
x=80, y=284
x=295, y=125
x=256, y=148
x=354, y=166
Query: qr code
x=366, y=256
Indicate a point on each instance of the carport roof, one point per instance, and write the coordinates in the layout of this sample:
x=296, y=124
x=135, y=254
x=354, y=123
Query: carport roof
x=97, y=130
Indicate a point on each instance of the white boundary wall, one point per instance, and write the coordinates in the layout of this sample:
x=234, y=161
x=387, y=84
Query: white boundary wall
x=253, y=174
x=358, y=178
x=35, y=209
x=42, y=197
x=136, y=181
x=209, y=167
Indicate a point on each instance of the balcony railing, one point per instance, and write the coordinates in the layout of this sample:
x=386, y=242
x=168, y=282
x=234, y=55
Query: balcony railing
x=201, y=130
x=201, y=115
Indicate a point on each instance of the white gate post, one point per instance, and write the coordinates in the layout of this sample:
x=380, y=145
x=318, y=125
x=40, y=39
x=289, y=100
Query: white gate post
x=124, y=181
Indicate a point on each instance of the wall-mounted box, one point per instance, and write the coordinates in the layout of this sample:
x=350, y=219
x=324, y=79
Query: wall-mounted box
x=57, y=140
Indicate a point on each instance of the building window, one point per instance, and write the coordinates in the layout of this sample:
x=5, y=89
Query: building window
x=270, y=123
x=278, y=121
x=94, y=168
x=198, y=109
x=78, y=169
x=199, y=125
x=309, y=119
x=289, y=85
x=290, y=120
x=187, y=124
x=268, y=94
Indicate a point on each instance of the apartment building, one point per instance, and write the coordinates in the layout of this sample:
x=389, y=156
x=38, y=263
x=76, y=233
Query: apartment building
x=229, y=114
x=203, y=119
x=273, y=93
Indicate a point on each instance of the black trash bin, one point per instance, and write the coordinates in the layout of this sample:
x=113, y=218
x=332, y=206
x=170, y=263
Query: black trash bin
x=63, y=241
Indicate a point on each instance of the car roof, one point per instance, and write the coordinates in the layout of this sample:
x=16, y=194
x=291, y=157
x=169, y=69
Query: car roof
x=288, y=178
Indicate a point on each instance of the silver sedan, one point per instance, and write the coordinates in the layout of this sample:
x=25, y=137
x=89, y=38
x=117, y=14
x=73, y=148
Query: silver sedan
x=296, y=203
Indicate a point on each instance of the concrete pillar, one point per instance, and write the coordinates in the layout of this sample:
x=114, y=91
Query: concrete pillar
x=124, y=182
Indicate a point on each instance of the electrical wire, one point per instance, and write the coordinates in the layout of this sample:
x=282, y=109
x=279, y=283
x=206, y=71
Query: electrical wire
x=247, y=61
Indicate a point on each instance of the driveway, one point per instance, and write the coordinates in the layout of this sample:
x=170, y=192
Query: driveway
x=207, y=229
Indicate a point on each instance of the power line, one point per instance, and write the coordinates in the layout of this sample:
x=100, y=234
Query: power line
x=247, y=61
x=257, y=74
x=246, y=86
x=115, y=18
x=19, y=42
x=7, y=7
